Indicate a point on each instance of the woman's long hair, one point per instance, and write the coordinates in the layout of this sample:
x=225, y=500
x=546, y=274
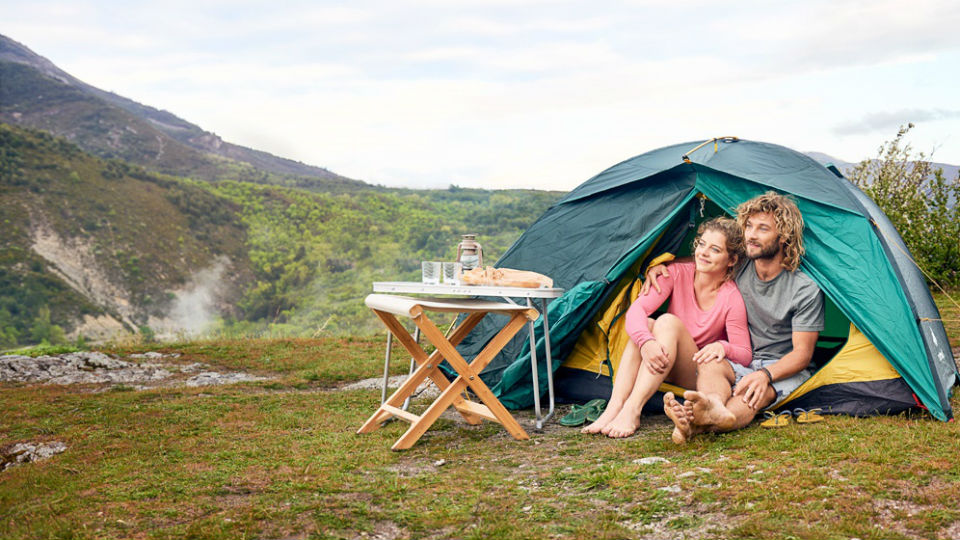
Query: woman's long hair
x=734, y=240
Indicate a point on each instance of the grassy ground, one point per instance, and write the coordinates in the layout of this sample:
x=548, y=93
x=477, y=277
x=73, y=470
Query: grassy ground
x=280, y=459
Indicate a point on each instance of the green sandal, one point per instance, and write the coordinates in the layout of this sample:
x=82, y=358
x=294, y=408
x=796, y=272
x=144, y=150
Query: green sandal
x=596, y=406
x=580, y=414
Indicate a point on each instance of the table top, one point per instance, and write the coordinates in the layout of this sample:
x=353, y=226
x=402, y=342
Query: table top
x=416, y=287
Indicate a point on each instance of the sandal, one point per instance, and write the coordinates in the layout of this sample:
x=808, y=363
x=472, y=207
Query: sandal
x=595, y=408
x=580, y=414
x=775, y=420
x=808, y=417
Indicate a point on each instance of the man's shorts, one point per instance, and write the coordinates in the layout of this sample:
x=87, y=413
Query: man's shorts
x=783, y=387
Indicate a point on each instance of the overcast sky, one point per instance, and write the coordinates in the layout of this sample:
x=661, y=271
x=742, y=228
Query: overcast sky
x=532, y=94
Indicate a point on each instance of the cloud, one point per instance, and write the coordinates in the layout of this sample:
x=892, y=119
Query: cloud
x=889, y=121
x=514, y=94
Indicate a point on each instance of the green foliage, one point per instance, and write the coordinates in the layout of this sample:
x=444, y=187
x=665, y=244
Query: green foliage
x=315, y=254
x=43, y=331
x=921, y=204
x=300, y=261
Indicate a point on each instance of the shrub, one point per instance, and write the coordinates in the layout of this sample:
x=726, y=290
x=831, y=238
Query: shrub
x=920, y=203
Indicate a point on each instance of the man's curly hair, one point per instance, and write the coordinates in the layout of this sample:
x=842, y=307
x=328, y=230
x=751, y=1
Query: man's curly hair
x=789, y=223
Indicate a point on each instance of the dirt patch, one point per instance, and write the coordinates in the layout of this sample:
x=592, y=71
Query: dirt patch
x=73, y=260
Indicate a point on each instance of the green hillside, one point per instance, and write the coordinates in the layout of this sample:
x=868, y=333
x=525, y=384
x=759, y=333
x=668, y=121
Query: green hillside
x=89, y=238
x=315, y=254
x=115, y=240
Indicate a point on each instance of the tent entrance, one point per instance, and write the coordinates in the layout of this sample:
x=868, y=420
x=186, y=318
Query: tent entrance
x=586, y=371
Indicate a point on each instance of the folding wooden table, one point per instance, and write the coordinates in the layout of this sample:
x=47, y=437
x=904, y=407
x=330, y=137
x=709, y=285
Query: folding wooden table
x=543, y=294
x=388, y=307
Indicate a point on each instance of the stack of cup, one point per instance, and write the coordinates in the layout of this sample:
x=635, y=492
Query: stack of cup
x=451, y=273
x=430, y=272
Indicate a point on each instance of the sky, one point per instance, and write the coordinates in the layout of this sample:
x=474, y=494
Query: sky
x=529, y=94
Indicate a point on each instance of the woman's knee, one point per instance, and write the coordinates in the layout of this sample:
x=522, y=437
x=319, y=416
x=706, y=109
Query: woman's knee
x=667, y=322
x=717, y=370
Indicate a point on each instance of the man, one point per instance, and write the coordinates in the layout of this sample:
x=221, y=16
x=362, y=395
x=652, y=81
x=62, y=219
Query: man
x=784, y=316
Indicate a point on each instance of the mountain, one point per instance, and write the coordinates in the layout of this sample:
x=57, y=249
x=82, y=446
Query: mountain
x=98, y=248
x=950, y=172
x=37, y=94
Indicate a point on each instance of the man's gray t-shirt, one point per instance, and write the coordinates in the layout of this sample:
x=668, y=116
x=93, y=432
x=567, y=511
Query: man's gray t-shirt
x=790, y=302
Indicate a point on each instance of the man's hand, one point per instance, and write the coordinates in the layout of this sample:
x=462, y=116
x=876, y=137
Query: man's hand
x=753, y=387
x=654, y=357
x=651, y=278
x=710, y=353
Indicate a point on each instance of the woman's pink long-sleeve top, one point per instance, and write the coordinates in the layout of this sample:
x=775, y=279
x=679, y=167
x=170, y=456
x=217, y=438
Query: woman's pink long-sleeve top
x=725, y=322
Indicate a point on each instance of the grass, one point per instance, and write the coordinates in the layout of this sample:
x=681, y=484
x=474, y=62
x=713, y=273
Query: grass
x=280, y=459
x=949, y=304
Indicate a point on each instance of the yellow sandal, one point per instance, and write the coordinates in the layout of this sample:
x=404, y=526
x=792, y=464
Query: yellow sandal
x=808, y=417
x=775, y=420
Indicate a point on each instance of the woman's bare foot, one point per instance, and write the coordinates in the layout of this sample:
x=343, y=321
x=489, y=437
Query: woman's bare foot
x=624, y=425
x=608, y=415
x=709, y=411
x=682, y=417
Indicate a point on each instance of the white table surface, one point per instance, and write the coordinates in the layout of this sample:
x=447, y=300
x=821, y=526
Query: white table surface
x=416, y=287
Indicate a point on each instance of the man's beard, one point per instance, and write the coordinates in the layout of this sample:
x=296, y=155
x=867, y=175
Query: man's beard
x=766, y=252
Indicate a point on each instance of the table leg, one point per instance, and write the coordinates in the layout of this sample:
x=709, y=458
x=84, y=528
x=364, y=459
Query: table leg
x=386, y=368
x=413, y=366
x=546, y=342
x=533, y=367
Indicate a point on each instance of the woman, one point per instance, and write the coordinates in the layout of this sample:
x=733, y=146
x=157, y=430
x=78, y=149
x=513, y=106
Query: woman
x=706, y=322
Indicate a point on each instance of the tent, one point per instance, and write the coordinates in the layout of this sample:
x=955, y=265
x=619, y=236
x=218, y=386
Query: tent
x=884, y=349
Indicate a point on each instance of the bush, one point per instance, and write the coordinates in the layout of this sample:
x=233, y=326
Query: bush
x=920, y=203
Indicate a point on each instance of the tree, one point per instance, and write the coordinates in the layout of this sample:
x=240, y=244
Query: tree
x=920, y=202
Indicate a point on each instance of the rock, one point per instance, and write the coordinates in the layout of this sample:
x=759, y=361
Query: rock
x=28, y=452
x=425, y=390
x=77, y=368
x=153, y=355
x=212, y=378
x=651, y=460
x=192, y=368
x=671, y=489
x=99, y=368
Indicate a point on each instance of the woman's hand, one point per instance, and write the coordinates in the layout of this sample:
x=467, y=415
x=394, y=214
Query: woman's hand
x=713, y=352
x=654, y=357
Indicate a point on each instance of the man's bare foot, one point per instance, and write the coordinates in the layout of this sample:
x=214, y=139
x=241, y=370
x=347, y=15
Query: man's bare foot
x=608, y=415
x=709, y=411
x=624, y=425
x=682, y=417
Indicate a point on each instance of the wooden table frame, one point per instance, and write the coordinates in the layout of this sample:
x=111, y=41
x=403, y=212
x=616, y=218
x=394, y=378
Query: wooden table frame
x=386, y=307
x=544, y=294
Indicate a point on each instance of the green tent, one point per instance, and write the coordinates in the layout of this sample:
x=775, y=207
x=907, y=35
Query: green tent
x=597, y=241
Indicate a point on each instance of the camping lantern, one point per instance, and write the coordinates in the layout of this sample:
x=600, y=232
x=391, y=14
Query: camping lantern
x=469, y=252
